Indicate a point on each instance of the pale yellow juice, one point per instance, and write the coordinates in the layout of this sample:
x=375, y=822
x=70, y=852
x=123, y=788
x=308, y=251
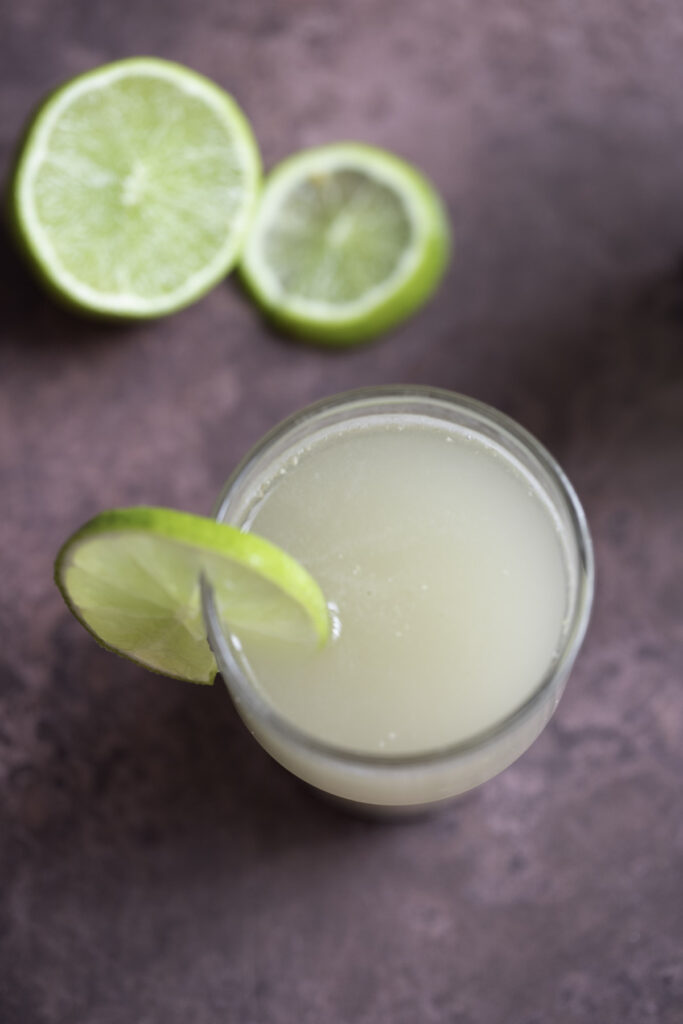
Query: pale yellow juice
x=446, y=574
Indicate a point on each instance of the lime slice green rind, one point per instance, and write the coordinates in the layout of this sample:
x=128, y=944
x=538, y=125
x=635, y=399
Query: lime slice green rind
x=132, y=577
x=134, y=188
x=348, y=241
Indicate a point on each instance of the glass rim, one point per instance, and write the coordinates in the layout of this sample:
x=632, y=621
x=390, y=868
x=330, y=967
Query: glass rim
x=260, y=709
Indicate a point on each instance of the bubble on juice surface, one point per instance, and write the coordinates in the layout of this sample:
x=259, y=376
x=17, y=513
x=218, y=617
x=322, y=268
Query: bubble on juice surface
x=335, y=620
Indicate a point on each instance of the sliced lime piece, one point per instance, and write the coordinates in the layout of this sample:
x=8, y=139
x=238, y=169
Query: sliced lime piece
x=132, y=577
x=347, y=241
x=135, y=186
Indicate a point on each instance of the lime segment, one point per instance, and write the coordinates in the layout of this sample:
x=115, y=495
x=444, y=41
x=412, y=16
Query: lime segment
x=133, y=576
x=348, y=240
x=135, y=187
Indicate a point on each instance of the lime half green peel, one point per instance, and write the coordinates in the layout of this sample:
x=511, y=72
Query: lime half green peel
x=134, y=188
x=133, y=577
x=348, y=240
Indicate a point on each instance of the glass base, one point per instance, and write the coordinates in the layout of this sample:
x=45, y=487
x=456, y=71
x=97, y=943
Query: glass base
x=388, y=813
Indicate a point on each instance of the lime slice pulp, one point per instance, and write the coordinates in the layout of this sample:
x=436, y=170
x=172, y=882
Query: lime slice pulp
x=134, y=188
x=133, y=576
x=348, y=240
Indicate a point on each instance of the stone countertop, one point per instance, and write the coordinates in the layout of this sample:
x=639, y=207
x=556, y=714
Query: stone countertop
x=156, y=866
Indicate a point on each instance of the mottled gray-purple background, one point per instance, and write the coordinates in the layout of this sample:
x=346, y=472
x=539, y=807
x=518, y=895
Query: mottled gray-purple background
x=155, y=866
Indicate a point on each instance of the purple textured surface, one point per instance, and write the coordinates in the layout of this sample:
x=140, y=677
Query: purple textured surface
x=155, y=866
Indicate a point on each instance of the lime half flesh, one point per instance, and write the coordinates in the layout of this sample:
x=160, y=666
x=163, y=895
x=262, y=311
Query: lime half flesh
x=133, y=577
x=134, y=188
x=347, y=241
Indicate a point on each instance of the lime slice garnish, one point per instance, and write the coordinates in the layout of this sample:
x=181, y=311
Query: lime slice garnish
x=348, y=240
x=133, y=577
x=135, y=186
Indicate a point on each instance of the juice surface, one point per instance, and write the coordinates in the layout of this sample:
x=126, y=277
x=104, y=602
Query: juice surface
x=445, y=566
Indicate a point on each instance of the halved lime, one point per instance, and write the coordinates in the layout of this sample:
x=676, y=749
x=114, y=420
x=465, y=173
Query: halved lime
x=135, y=186
x=133, y=576
x=347, y=241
